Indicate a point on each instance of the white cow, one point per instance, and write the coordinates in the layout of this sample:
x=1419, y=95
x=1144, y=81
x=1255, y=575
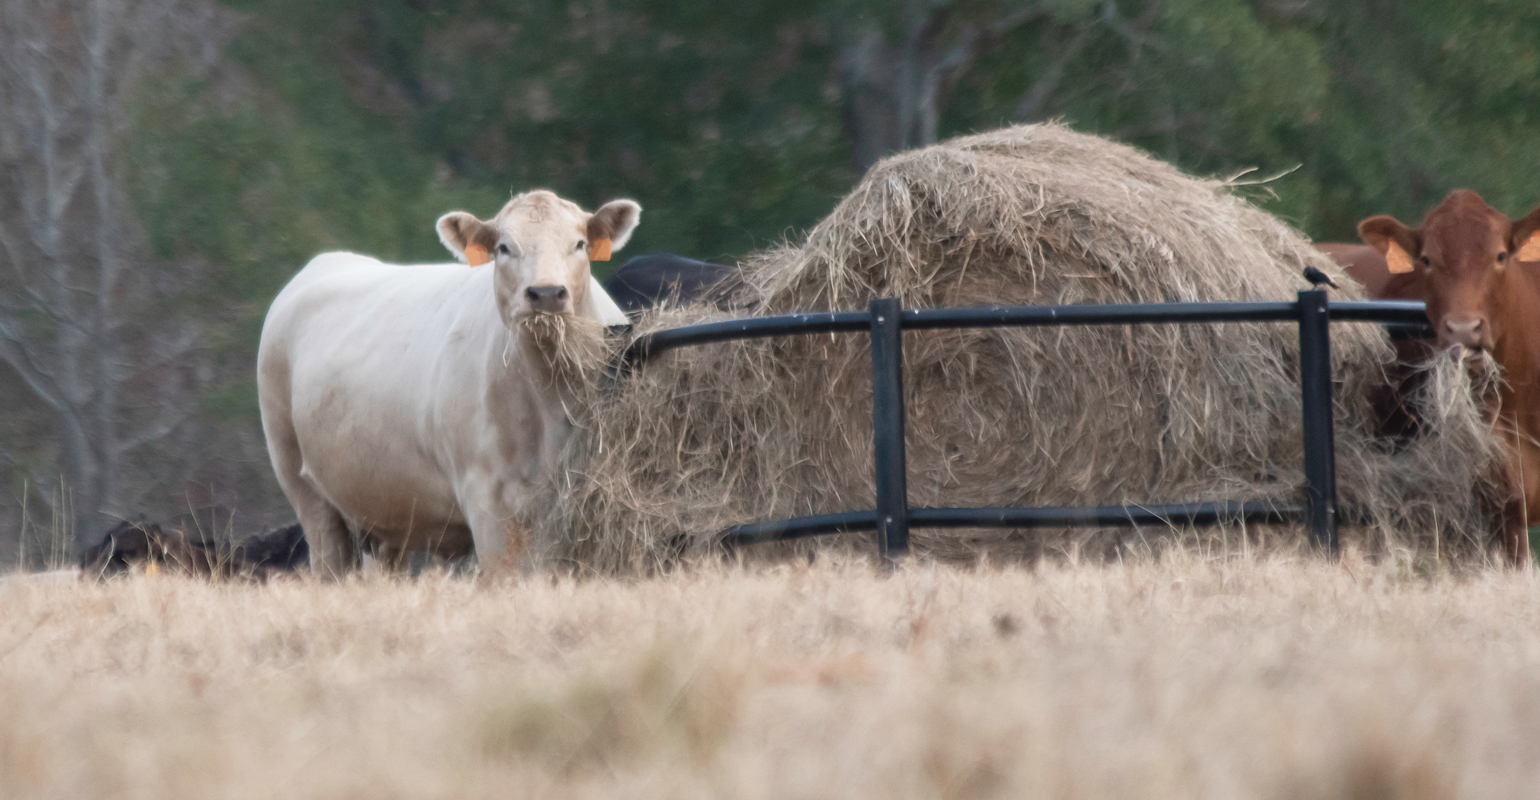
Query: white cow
x=421, y=405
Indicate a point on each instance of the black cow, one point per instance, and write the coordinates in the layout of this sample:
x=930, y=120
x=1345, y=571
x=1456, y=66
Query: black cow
x=647, y=281
x=136, y=543
x=139, y=544
x=278, y=550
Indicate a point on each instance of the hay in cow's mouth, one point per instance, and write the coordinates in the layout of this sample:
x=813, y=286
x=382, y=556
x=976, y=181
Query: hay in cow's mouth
x=572, y=348
x=707, y=437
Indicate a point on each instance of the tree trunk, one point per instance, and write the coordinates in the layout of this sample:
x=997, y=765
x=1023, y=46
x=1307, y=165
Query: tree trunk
x=893, y=94
x=103, y=377
x=868, y=76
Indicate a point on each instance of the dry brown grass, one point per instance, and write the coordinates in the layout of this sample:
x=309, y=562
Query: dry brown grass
x=1179, y=676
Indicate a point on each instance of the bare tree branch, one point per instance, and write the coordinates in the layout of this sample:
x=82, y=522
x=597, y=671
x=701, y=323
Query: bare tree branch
x=14, y=255
x=66, y=69
x=64, y=191
x=14, y=352
x=177, y=353
x=1007, y=24
x=1036, y=96
x=160, y=430
x=1135, y=33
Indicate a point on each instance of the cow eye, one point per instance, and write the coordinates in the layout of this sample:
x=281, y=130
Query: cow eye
x=1426, y=262
x=1501, y=257
x=581, y=244
x=503, y=248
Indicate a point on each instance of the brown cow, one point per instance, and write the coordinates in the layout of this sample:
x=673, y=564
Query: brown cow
x=1479, y=273
x=1364, y=264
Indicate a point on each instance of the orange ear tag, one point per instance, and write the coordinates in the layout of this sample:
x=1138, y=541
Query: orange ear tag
x=1398, y=260
x=1531, y=249
x=599, y=250
x=476, y=255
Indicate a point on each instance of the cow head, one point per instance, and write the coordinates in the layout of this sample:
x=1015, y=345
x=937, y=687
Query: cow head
x=539, y=247
x=1464, y=251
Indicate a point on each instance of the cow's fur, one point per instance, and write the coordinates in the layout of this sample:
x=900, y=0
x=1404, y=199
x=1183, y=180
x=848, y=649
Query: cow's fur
x=420, y=406
x=1482, y=299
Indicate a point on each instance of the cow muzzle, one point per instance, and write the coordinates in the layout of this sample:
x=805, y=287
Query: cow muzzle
x=548, y=299
x=1467, y=337
x=1468, y=331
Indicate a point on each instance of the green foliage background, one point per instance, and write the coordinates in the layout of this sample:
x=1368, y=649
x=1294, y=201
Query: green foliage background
x=357, y=123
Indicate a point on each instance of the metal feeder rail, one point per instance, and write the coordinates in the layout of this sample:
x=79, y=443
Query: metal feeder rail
x=885, y=321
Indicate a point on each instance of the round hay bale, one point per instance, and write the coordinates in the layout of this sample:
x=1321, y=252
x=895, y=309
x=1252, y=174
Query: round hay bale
x=706, y=437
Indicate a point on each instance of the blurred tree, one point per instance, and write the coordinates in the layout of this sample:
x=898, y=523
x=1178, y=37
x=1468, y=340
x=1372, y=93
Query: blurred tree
x=69, y=286
x=898, y=62
x=1379, y=107
x=718, y=118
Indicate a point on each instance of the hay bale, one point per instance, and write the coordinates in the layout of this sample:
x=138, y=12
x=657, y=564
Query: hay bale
x=707, y=437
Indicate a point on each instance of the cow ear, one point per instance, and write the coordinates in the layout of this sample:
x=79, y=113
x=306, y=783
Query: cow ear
x=470, y=239
x=612, y=223
x=1524, y=237
x=1399, y=244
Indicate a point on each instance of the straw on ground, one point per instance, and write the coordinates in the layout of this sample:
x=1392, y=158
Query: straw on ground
x=1174, y=677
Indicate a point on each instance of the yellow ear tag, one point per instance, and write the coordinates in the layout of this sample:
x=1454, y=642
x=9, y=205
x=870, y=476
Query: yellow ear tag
x=152, y=568
x=476, y=255
x=599, y=250
x=1531, y=249
x=1398, y=260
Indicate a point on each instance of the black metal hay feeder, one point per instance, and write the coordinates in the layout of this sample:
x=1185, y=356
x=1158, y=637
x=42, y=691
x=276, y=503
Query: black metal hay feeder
x=885, y=323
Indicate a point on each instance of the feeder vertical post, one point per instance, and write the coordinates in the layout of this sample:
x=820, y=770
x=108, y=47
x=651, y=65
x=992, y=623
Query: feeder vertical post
x=888, y=428
x=1320, y=447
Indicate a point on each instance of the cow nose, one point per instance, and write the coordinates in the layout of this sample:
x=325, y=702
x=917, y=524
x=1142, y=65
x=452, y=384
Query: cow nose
x=1468, y=332
x=547, y=298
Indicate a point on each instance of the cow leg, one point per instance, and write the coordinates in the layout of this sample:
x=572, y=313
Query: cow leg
x=393, y=558
x=502, y=542
x=1529, y=483
x=498, y=531
x=1512, y=534
x=332, y=550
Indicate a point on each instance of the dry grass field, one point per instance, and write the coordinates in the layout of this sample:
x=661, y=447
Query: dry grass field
x=1179, y=676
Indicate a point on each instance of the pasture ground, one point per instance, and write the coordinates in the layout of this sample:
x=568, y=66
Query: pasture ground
x=1178, y=676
